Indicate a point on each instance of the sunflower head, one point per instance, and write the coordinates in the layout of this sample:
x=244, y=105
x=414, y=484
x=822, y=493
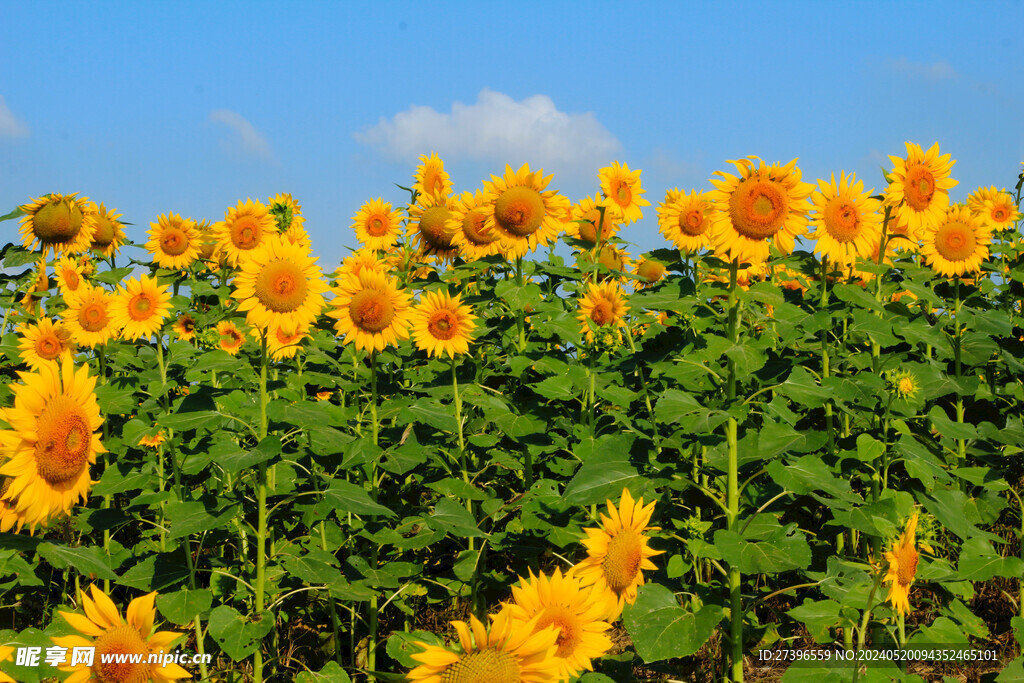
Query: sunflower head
x=847, y=221
x=431, y=178
x=45, y=342
x=430, y=222
x=140, y=307
x=89, y=316
x=230, y=338
x=243, y=229
x=957, y=244
x=472, y=227
x=441, y=324
x=685, y=219
x=370, y=310
x=902, y=558
x=903, y=384
x=286, y=211
x=185, y=327
x=109, y=234
x=524, y=213
x=919, y=186
x=377, y=226
x=60, y=223
x=650, y=271
x=593, y=220
x=602, y=309
x=174, y=241
x=279, y=285
x=621, y=187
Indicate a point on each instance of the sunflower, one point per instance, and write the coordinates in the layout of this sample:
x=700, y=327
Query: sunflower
x=577, y=613
x=52, y=441
x=507, y=652
x=472, y=228
x=957, y=244
x=429, y=220
x=902, y=559
x=109, y=234
x=173, y=241
x=11, y=518
x=617, y=553
x=69, y=275
x=919, y=187
x=89, y=317
x=185, y=327
x=995, y=207
x=685, y=219
x=370, y=310
x=763, y=202
x=442, y=325
x=282, y=344
x=602, y=306
x=524, y=213
x=6, y=652
x=207, y=243
x=286, y=211
x=279, y=285
x=244, y=228
x=847, y=222
x=903, y=384
x=297, y=235
x=363, y=259
x=376, y=225
x=109, y=633
x=58, y=222
x=231, y=338
x=152, y=440
x=431, y=178
x=592, y=219
x=901, y=238
x=649, y=271
x=140, y=307
x=44, y=343
x=622, y=187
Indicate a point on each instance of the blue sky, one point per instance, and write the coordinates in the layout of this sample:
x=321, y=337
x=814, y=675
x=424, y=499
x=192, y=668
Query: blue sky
x=189, y=107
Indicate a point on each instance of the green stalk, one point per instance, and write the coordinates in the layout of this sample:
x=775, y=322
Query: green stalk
x=371, y=647
x=335, y=622
x=732, y=492
x=643, y=390
x=520, y=313
x=862, y=634
x=961, y=444
x=465, y=469
x=107, y=499
x=829, y=428
x=261, y=505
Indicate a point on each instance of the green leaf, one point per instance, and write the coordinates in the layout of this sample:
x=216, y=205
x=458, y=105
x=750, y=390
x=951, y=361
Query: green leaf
x=452, y=517
x=236, y=461
x=195, y=411
x=662, y=629
x=674, y=405
x=345, y=496
x=238, y=636
x=193, y=517
x=599, y=480
x=979, y=562
x=819, y=616
x=402, y=645
x=16, y=213
x=181, y=607
x=331, y=673
x=156, y=572
x=313, y=567
x=90, y=562
x=780, y=549
x=554, y=388
x=13, y=564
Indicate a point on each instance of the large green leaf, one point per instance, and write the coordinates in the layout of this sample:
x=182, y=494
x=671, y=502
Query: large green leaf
x=598, y=480
x=348, y=497
x=454, y=518
x=662, y=629
x=90, y=562
x=181, y=607
x=765, y=549
x=238, y=636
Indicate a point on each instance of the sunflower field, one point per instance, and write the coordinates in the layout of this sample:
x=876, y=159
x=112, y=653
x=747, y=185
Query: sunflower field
x=786, y=446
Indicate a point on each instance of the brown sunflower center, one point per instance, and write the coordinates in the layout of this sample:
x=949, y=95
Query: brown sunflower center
x=570, y=630
x=246, y=232
x=104, y=234
x=602, y=313
x=651, y=271
x=483, y=666
x=692, y=222
x=758, y=207
x=64, y=440
x=622, y=562
x=1000, y=214
x=519, y=210
x=141, y=307
x=443, y=324
x=476, y=229
x=49, y=346
x=206, y=250
x=371, y=310
x=71, y=279
x=188, y=325
x=121, y=640
x=589, y=228
x=906, y=565
x=432, y=227
x=57, y=222
x=231, y=338
x=842, y=222
x=376, y=226
x=281, y=286
x=610, y=258
x=93, y=317
x=173, y=241
x=622, y=192
x=919, y=187
x=955, y=241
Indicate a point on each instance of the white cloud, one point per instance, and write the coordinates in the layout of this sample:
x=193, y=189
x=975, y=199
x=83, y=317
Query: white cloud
x=936, y=71
x=10, y=126
x=250, y=140
x=497, y=129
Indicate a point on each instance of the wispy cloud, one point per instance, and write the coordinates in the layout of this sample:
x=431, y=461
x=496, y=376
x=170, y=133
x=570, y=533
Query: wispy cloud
x=936, y=71
x=10, y=125
x=248, y=140
x=497, y=128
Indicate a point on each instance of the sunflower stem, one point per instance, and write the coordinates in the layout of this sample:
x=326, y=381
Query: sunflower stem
x=643, y=390
x=371, y=646
x=520, y=313
x=732, y=491
x=335, y=622
x=865, y=619
x=961, y=444
x=829, y=427
x=261, y=506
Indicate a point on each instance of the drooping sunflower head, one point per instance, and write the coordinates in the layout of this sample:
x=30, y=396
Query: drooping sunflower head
x=243, y=229
x=140, y=307
x=650, y=271
x=760, y=205
x=957, y=244
x=617, y=552
x=919, y=186
x=154, y=440
x=370, y=310
x=504, y=652
x=685, y=220
x=185, y=327
x=995, y=208
x=603, y=308
x=431, y=178
x=230, y=337
x=902, y=558
x=60, y=223
x=472, y=227
x=89, y=316
x=593, y=219
x=102, y=627
x=286, y=211
x=174, y=241
x=578, y=613
x=429, y=220
x=376, y=225
x=52, y=441
x=621, y=187
x=279, y=285
x=847, y=221
x=44, y=343
x=109, y=234
x=441, y=324
x=282, y=344
x=69, y=272
x=524, y=213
